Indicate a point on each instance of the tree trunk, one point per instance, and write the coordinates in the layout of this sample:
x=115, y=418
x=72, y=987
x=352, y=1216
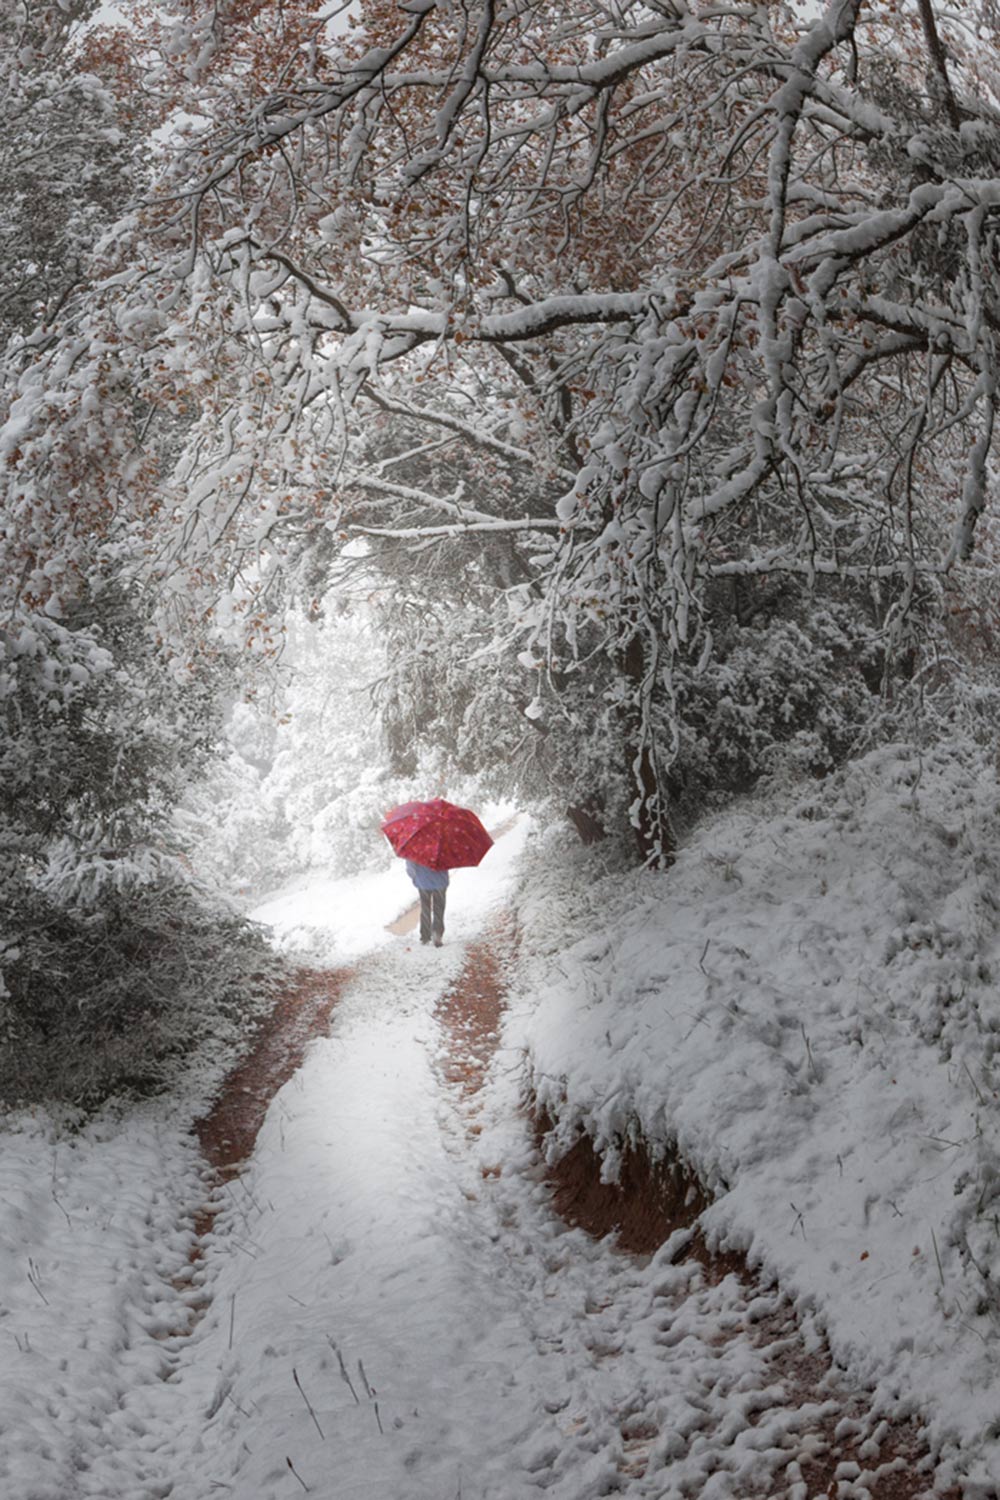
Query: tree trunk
x=651, y=822
x=588, y=821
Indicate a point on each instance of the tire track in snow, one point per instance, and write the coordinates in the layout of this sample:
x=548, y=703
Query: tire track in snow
x=132, y=1454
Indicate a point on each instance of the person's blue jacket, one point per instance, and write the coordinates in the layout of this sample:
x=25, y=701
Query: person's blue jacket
x=426, y=879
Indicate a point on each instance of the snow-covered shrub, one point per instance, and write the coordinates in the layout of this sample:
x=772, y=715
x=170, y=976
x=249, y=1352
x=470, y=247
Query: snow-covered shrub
x=791, y=691
x=345, y=835
x=100, y=997
x=111, y=957
x=786, y=694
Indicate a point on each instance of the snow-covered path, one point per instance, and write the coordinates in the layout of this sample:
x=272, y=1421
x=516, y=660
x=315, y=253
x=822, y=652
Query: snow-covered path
x=487, y=1351
x=389, y=1309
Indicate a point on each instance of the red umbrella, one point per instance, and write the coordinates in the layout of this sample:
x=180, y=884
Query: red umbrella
x=437, y=834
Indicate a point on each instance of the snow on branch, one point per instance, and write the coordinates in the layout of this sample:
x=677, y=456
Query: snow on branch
x=670, y=301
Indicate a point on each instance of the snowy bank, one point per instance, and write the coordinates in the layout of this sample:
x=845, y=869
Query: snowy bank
x=806, y=1005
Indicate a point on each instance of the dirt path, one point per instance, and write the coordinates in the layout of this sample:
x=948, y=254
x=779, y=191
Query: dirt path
x=833, y=1443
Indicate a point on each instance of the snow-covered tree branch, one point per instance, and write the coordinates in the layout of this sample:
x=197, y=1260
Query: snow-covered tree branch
x=688, y=295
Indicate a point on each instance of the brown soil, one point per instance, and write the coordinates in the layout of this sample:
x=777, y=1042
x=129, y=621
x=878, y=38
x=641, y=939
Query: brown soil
x=228, y=1132
x=407, y=922
x=470, y=1012
x=643, y=1208
x=651, y=1201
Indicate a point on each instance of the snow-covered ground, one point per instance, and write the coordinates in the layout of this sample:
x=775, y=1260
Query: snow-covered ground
x=808, y=1004
x=387, y=1309
x=102, y=1391
x=331, y=921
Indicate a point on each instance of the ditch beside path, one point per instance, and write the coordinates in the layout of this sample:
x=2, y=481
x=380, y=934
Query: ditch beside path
x=678, y=1374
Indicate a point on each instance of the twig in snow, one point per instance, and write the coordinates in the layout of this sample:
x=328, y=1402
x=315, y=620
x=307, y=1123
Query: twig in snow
x=298, y=1476
x=809, y=1053
x=232, y=1317
x=937, y=1256
x=343, y=1369
x=297, y=1300
x=238, y=1206
x=295, y=1377
x=371, y=1394
x=55, y=1200
x=975, y=1085
x=800, y=1222
x=61, y=1209
x=943, y=1140
x=701, y=961
x=36, y=1280
x=969, y=1329
x=250, y=1195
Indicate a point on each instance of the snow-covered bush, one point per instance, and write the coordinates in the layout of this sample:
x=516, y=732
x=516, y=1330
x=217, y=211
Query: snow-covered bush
x=111, y=957
x=791, y=694
x=101, y=997
x=794, y=693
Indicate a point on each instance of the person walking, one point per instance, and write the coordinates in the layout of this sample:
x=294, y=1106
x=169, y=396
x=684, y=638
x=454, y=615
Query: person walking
x=433, y=888
x=435, y=837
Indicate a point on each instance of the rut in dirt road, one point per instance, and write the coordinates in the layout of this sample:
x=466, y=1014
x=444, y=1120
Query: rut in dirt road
x=228, y=1131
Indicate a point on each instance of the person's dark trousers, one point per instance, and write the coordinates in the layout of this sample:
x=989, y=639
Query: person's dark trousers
x=432, y=915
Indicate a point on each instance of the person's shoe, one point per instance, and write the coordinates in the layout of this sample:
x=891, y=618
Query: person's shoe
x=425, y=940
x=438, y=941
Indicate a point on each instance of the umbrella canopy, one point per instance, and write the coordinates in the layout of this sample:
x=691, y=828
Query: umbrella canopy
x=437, y=834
